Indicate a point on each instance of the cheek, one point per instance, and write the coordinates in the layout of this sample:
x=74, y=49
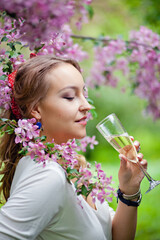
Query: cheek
x=61, y=111
x=66, y=111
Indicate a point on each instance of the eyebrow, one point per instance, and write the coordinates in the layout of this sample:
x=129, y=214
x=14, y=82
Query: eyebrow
x=71, y=87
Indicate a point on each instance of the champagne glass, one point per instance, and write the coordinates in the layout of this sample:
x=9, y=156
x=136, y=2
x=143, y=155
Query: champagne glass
x=114, y=132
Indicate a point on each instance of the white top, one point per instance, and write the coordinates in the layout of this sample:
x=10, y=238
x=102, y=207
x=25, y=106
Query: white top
x=44, y=206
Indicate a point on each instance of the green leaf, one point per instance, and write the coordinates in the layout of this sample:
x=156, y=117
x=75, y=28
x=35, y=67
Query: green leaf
x=84, y=191
x=14, y=122
x=7, y=67
x=23, y=151
x=89, y=10
x=68, y=169
x=43, y=138
x=4, y=39
x=1, y=133
x=71, y=171
x=11, y=45
x=38, y=48
x=4, y=119
x=71, y=177
x=94, y=113
x=7, y=53
x=3, y=77
x=13, y=54
x=50, y=145
x=76, y=184
x=19, y=43
x=9, y=130
x=90, y=101
x=2, y=126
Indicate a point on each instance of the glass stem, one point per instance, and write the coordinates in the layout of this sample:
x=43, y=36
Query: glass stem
x=150, y=179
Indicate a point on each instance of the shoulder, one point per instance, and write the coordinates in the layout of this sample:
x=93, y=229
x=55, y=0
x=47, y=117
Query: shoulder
x=37, y=196
x=38, y=185
x=31, y=174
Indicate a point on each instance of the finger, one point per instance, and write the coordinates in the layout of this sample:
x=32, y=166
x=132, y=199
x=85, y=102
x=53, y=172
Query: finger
x=124, y=160
x=132, y=138
x=137, y=145
x=144, y=163
x=140, y=157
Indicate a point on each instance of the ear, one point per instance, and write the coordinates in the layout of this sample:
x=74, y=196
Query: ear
x=35, y=112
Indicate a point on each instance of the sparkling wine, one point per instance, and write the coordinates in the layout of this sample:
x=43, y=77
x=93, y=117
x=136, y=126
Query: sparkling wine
x=114, y=132
x=123, y=144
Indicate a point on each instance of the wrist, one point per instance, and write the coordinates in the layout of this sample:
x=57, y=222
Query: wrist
x=130, y=200
x=129, y=190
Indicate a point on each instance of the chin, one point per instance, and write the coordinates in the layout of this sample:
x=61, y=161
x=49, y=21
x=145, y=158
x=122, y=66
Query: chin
x=80, y=136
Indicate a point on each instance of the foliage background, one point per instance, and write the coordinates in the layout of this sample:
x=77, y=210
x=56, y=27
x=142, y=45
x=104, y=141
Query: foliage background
x=117, y=18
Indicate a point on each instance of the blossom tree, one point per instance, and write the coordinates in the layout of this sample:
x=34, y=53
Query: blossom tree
x=44, y=27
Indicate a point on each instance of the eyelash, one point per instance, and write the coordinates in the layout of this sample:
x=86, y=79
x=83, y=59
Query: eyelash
x=69, y=98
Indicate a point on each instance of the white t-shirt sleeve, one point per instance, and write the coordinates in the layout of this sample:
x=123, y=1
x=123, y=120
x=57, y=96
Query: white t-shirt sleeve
x=105, y=215
x=34, y=202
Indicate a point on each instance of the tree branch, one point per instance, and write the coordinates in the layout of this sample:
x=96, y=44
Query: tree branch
x=103, y=39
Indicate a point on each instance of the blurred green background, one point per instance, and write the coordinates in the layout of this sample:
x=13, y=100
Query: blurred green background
x=116, y=18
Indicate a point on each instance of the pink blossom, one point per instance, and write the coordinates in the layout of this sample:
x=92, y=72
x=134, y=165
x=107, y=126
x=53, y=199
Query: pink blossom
x=26, y=130
x=145, y=36
x=36, y=20
x=98, y=166
x=5, y=95
x=87, y=141
x=89, y=116
x=61, y=44
x=122, y=64
x=86, y=176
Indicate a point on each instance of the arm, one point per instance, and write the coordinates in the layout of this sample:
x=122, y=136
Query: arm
x=125, y=219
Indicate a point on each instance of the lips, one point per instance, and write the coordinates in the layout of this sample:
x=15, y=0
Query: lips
x=82, y=119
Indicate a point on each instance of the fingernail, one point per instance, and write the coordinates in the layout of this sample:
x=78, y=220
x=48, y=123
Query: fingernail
x=121, y=156
x=136, y=143
x=132, y=138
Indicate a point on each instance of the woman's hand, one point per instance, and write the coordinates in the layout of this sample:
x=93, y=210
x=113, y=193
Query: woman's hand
x=130, y=175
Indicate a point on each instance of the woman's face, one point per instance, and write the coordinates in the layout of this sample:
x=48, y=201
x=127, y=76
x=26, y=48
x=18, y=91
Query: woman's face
x=63, y=111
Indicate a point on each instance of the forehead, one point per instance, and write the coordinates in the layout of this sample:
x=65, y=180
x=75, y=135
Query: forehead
x=64, y=75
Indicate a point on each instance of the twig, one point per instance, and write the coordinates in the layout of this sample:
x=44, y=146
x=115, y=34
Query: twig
x=103, y=39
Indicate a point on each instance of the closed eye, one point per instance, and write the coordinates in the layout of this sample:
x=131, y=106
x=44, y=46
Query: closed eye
x=69, y=98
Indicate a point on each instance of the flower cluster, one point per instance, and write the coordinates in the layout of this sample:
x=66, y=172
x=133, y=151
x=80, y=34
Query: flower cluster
x=87, y=181
x=147, y=56
x=87, y=141
x=101, y=188
x=36, y=20
x=138, y=60
x=102, y=72
x=26, y=130
x=5, y=94
x=44, y=28
x=61, y=44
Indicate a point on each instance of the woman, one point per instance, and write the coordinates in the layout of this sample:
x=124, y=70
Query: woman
x=41, y=204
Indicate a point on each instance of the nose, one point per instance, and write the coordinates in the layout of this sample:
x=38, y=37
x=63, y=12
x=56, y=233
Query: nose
x=85, y=106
